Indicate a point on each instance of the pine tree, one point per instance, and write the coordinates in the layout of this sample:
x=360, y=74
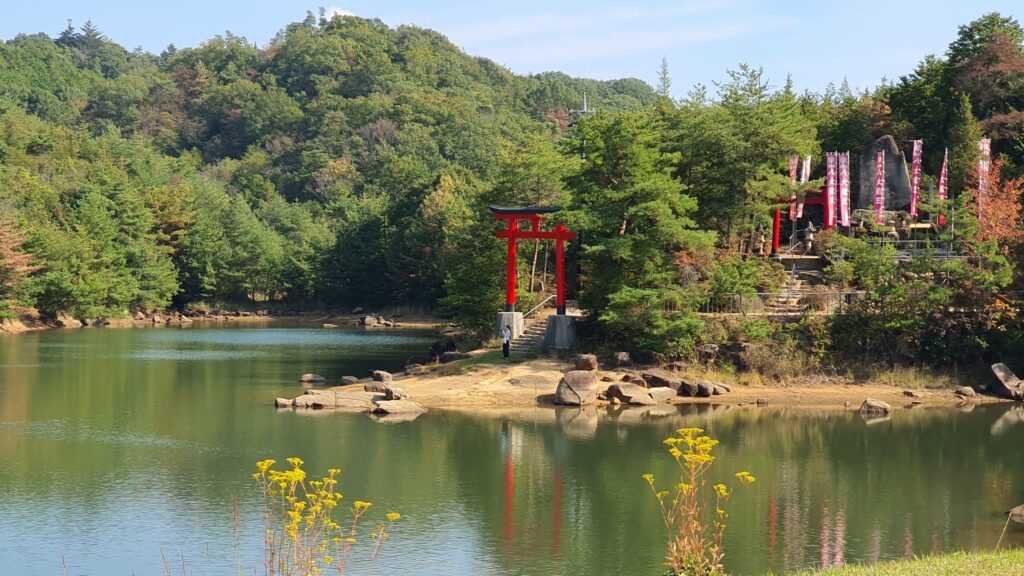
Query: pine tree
x=664, y=79
x=635, y=220
x=962, y=139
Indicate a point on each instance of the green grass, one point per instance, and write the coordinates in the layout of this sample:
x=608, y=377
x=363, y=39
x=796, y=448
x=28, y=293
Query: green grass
x=955, y=564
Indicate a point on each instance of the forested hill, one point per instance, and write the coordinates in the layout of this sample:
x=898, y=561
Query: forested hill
x=317, y=169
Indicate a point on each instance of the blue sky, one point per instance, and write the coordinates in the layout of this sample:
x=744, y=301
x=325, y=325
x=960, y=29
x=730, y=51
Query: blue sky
x=817, y=42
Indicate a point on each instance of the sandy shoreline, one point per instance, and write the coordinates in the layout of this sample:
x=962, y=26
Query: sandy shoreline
x=506, y=389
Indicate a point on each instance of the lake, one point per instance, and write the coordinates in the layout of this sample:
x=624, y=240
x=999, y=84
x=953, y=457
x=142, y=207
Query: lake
x=120, y=447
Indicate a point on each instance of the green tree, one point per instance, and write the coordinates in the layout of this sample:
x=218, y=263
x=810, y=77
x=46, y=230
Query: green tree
x=634, y=221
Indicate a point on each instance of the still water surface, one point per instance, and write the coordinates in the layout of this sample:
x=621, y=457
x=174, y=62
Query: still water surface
x=117, y=446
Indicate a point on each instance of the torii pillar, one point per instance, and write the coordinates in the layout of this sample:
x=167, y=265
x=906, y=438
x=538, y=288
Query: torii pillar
x=560, y=331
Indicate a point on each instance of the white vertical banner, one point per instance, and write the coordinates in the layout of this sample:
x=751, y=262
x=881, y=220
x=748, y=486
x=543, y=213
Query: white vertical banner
x=844, y=189
x=794, y=165
x=805, y=175
x=915, y=177
x=830, y=188
x=880, y=188
x=985, y=146
x=943, y=184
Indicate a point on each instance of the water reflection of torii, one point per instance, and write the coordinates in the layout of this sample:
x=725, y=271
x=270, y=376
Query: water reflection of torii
x=512, y=447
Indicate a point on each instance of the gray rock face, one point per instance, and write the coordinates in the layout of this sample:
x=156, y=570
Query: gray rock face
x=630, y=394
x=586, y=362
x=140, y=315
x=623, y=359
x=312, y=379
x=1008, y=386
x=381, y=376
x=965, y=392
x=897, y=177
x=577, y=388
x=393, y=393
x=662, y=395
x=688, y=388
x=705, y=389
x=875, y=407
x=634, y=379
x=661, y=380
x=377, y=387
x=346, y=380
x=396, y=407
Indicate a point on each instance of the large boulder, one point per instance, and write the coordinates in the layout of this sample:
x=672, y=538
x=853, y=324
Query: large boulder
x=688, y=388
x=283, y=402
x=659, y=379
x=705, y=389
x=377, y=386
x=1017, y=514
x=623, y=359
x=1008, y=385
x=630, y=394
x=396, y=407
x=965, y=392
x=312, y=379
x=662, y=395
x=441, y=346
x=393, y=393
x=897, y=179
x=873, y=407
x=346, y=380
x=577, y=388
x=316, y=399
x=381, y=376
x=586, y=362
x=369, y=321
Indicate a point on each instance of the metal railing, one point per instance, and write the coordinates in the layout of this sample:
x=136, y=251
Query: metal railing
x=542, y=304
x=791, y=302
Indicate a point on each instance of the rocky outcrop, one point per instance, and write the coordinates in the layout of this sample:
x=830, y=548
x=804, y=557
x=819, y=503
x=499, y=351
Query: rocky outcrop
x=393, y=393
x=586, y=362
x=662, y=395
x=965, y=392
x=623, y=359
x=633, y=378
x=282, y=402
x=577, y=388
x=630, y=394
x=312, y=379
x=872, y=407
x=347, y=380
x=381, y=376
x=1008, y=385
x=897, y=178
x=395, y=407
x=376, y=386
x=660, y=379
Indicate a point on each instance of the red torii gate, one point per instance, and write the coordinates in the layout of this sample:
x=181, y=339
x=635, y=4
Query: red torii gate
x=513, y=214
x=809, y=200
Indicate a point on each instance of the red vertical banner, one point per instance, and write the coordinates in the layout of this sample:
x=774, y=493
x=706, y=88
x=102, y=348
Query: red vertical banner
x=830, y=188
x=985, y=146
x=844, y=189
x=880, y=188
x=943, y=184
x=915, y=177
x=805, y=175
x=794, y=163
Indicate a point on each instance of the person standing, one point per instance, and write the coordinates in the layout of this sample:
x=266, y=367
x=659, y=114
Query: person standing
x=506, y=340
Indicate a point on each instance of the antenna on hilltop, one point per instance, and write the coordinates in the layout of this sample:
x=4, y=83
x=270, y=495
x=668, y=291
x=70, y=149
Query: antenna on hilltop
x=575, y=115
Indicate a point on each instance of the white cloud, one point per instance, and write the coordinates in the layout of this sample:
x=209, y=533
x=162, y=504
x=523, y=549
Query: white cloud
x=335, y=11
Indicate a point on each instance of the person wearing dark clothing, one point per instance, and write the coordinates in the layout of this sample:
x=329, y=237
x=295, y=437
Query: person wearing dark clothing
x=506, y=340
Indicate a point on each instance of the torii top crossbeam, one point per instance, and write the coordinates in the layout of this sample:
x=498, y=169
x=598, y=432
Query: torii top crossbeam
x=513, y=214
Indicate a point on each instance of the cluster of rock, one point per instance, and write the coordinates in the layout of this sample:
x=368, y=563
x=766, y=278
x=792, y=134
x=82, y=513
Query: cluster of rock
x=579, y=387
x=379, y=396
x=376, y=321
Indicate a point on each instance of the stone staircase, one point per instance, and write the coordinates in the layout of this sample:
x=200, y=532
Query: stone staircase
x=804, y=274
x=533, y=336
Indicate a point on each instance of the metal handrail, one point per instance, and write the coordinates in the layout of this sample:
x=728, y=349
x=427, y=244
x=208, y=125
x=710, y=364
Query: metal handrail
x=538, y=306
